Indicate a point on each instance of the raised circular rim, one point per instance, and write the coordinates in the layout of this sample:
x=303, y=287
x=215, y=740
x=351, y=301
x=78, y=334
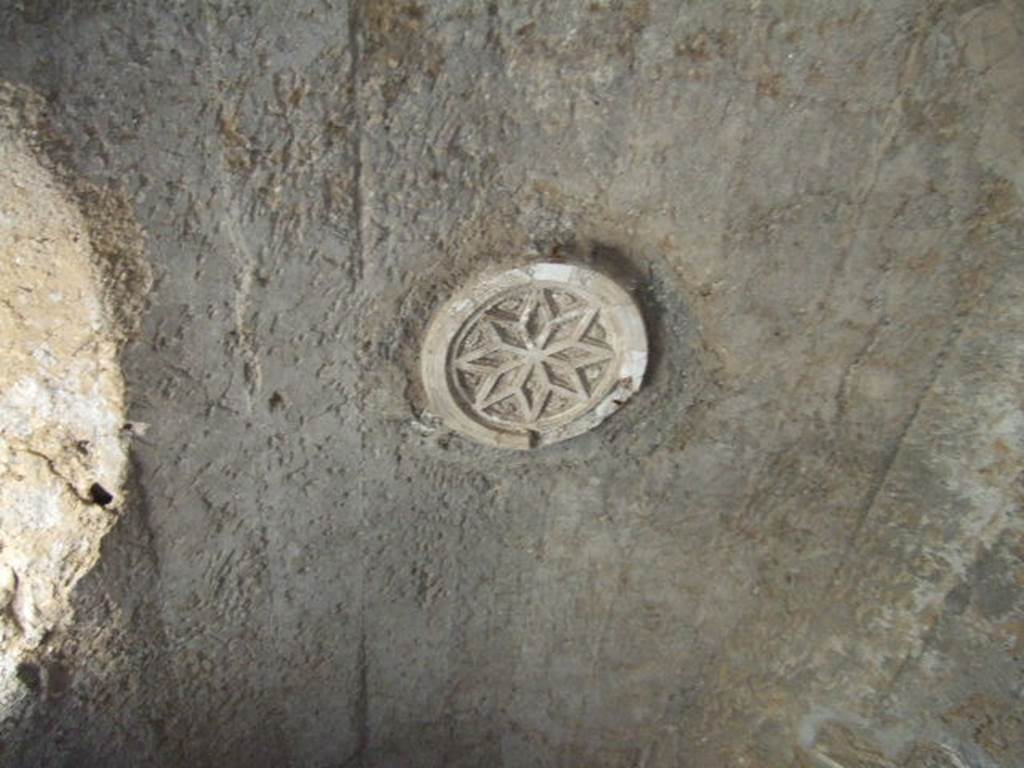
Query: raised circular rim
x=445, y=326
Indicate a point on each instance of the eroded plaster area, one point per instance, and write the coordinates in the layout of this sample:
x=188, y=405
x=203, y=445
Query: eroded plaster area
x=62, y=444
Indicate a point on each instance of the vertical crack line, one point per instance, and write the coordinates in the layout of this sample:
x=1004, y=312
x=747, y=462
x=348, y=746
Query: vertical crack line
x=245, y=267
x=361, y=709
x=244, y=260
x=355, y=22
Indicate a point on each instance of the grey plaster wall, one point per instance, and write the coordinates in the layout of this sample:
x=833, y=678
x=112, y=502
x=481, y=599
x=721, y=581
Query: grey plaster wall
x=800, y=544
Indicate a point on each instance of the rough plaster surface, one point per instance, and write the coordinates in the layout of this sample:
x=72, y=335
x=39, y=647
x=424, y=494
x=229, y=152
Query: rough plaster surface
x=799, y=544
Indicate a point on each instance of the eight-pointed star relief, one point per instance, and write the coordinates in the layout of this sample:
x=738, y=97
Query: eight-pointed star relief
x=537, y=362
x=534, y=355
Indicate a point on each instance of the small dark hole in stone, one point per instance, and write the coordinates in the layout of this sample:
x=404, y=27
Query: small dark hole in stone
x=100, y=495
x=277, y=401
x=58, y=680
x=29, y=675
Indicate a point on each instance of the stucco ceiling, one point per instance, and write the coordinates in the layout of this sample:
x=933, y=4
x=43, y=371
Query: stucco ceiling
x=799, y=543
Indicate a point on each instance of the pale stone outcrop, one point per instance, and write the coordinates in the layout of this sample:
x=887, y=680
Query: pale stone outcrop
x=62, y=453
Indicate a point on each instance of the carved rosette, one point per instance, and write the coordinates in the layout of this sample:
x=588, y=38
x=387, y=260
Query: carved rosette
x=534, y=355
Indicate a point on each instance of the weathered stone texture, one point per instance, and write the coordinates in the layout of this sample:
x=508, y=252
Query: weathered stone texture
x=62, y=453
x=799, y=544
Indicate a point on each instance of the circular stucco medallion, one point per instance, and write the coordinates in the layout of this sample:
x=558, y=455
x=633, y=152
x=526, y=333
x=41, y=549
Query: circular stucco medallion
x=533, y=355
